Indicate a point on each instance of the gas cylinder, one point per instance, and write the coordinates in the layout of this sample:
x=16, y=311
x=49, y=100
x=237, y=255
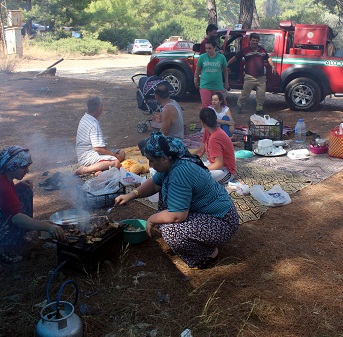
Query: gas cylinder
x=59, y=321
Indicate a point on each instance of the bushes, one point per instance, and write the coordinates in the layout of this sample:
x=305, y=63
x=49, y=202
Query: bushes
x=119, y=37
x=87, y=46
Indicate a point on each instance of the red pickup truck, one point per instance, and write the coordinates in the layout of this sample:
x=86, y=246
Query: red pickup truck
x=309, y=67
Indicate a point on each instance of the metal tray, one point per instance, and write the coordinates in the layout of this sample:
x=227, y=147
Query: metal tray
x=278, y=154
x=76, y=214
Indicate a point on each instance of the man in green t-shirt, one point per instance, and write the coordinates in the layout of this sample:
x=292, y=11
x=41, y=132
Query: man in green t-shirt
x=211, y=65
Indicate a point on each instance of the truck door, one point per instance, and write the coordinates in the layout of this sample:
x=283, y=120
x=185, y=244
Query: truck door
x=273, y=44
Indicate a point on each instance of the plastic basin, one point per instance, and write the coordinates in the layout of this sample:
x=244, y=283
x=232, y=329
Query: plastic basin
x=134, y=237
x=319, y=150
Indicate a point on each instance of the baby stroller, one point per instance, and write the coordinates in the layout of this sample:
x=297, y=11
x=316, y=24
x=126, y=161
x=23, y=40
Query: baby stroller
x=145, y=96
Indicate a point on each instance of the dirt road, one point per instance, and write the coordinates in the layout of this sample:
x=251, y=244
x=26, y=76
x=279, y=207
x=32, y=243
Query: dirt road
x=114, y=69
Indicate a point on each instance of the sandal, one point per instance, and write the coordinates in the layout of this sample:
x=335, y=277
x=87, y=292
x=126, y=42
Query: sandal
x=10, y=257
x=205, y=264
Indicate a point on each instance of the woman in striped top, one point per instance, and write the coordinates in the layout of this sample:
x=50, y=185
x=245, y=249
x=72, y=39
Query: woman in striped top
x=196, y=214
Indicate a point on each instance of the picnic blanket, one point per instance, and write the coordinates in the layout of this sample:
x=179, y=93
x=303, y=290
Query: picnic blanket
x=291, y=175
x=248, y=208
x=316, y=167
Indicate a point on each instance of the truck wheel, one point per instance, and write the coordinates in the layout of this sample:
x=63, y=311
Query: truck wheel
x=303, y=94
x=178, y=80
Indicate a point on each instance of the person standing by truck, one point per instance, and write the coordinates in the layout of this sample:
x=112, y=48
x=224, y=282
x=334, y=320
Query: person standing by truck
x=255, y=72
x=212, y=66
x=211, y=31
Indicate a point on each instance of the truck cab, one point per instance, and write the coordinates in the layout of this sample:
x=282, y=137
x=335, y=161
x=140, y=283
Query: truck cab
x=308, y=68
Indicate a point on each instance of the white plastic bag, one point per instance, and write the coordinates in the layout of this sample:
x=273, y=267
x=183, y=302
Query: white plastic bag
x=241, y=189
x=129, y=178
x=265, y=120
x=276, y=196
x=153, y=198
x=107, y=182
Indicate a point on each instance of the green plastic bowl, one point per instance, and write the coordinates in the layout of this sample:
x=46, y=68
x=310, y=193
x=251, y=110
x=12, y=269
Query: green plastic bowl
x=135, y=237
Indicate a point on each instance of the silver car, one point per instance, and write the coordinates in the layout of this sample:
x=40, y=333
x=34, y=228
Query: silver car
x=139, y=46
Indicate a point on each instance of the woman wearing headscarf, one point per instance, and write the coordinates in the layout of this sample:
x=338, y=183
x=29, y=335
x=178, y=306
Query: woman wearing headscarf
x=16, y=204
x=196, y=214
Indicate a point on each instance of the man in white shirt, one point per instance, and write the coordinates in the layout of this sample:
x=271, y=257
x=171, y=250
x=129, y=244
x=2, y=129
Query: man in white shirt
x=92, y=154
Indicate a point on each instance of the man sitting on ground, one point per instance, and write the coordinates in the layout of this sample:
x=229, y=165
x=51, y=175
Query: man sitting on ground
x=171, y=115
x=92, y=154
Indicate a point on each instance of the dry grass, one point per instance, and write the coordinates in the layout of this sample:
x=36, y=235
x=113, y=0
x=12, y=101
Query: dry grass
x=32, y=52
x=8, y=63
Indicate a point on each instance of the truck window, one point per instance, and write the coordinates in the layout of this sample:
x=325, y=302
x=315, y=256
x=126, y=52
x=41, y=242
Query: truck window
x=267, y=42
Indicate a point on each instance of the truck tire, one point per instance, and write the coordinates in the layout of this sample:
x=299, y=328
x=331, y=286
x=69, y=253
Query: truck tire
x=178, y=80
x=303, y=94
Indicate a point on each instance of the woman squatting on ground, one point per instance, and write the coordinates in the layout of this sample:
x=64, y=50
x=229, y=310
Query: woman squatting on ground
x=196, y=214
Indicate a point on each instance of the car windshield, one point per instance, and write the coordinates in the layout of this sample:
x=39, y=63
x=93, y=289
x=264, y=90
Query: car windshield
x=167, y=44
x=142, y=41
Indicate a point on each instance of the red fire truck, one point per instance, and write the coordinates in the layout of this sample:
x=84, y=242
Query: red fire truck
x=309, y=67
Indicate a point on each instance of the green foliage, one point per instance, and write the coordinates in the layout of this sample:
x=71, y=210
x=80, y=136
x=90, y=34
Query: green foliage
x=118, y=37
x=271, y=12
x=109, y=14
x=119, y=22
x=56, y=13
x=86, y=46
x=190, y=29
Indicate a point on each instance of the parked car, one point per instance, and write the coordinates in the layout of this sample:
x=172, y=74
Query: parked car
x=139, y=46
x=35, y=27
x=175, y=45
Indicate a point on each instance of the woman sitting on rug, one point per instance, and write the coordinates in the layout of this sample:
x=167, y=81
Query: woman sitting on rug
x=16, y=204
x=224, y=117
x=218, y=148
x=196, y=214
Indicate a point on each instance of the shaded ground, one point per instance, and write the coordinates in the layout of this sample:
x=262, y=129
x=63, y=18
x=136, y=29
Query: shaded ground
x=280, y=275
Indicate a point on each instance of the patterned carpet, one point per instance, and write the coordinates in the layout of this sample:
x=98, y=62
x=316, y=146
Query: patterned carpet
x=291, y=175
x=316, y=168
x=250, y=174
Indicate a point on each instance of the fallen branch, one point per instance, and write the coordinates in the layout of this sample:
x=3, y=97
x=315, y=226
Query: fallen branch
x=50, y=70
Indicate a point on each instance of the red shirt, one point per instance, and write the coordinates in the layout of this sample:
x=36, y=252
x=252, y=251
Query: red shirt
x=202, y=46
x=219, y=144
x=9, y=202
x=254, y=60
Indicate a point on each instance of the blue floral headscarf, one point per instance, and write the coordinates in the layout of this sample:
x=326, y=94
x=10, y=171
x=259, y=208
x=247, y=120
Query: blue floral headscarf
x=159, y=145
x=13, y=157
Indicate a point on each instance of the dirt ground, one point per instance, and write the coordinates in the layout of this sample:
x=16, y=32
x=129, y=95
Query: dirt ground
x=281, y=275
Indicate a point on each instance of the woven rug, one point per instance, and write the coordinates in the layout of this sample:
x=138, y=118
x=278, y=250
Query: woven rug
x=193, y=140
x=291, y=175
x=316, y=167
x=250, y=174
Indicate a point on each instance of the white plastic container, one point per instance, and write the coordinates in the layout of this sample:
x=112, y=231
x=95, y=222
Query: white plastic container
x=265, y=146
x=300, y=131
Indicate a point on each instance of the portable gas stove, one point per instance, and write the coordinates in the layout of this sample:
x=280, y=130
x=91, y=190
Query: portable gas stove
x=85, y=250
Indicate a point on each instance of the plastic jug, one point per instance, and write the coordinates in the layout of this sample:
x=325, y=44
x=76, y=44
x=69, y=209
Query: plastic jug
x=300, y=131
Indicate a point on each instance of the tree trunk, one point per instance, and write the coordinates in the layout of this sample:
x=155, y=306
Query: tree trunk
x=28, y=27
x=255, y=19
x=212, y=12
x=246, y=13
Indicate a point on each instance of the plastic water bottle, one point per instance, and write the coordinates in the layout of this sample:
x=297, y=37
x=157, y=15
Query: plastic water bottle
x=300, y=131
x=340, y=129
